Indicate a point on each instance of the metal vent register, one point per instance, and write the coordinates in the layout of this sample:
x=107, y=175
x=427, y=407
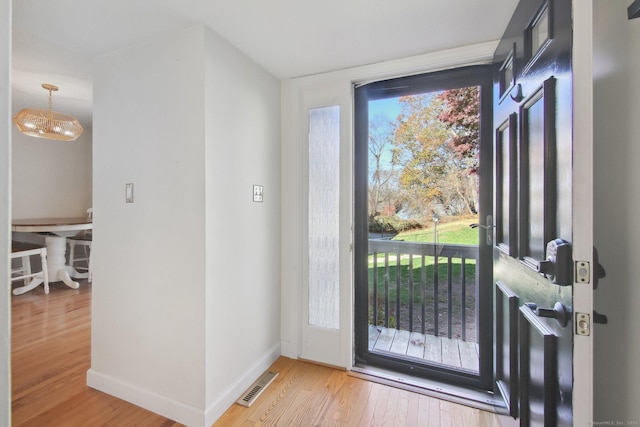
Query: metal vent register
x=257, y=388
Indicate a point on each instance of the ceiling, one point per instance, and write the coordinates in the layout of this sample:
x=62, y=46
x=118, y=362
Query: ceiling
x=55, y=41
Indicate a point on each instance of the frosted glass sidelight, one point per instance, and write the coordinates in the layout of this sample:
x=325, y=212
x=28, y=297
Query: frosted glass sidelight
x=324, y=157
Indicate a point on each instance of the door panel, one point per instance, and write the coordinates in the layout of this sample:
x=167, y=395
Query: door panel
x=533, y=94
x=538, y=371
x=506, y=375
x=506, y=191
x=537, y=173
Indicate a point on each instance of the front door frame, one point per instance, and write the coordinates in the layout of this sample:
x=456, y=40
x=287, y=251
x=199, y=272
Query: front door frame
x=583, y=204
x=293, y=172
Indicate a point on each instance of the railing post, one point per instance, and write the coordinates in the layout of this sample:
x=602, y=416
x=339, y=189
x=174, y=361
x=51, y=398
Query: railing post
x=375, y=288
x=436, y=331
x=398, y=274
x=449, y=298
x=386, y=289
x=464, y=298
x=423, y=293
x=410, y=292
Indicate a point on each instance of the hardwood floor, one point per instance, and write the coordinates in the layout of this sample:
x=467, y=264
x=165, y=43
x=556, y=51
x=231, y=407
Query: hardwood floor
x=306, y=394
x=51, y=355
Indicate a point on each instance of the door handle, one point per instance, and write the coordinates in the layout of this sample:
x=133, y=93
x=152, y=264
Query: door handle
x=559, y=312
x=558, y=265
x=487, y=228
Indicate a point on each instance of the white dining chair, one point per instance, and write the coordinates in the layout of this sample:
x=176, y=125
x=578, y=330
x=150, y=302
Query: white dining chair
x=80, y=261
x=23, y=252
x=81, y=242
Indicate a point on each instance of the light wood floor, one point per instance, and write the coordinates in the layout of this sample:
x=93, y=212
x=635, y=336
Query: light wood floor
x=51, y=355
x=306, y=394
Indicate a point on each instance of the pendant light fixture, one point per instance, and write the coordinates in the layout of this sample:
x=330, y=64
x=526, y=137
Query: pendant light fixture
x=48, y=124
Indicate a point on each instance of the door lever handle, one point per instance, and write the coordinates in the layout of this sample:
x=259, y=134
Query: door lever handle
x=559, y=312
x=488, y=228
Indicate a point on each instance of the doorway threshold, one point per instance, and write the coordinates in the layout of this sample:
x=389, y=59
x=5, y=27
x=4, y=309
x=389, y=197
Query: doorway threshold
x=477, y=399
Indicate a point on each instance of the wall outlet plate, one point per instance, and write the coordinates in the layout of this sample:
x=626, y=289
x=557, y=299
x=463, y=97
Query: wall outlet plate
x=258, y=193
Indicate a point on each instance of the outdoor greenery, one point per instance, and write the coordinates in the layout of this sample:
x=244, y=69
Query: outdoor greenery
x=386, y=273
x=454, y=230
x=423, y=187
x=425, y=162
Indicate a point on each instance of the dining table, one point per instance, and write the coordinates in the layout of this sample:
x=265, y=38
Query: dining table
x=55, y=231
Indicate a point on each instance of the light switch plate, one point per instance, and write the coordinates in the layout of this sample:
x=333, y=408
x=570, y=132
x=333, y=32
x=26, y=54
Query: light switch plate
x=128, y=192
x=257, y=193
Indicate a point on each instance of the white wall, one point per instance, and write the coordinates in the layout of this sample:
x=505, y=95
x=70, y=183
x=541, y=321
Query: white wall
x=242, y=120
x=186, y=279
x=148, y=261
x=50, y=178
x=616, y=201
x=5, y=209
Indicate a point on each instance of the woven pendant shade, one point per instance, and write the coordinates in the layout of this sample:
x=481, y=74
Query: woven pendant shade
x=48, y=124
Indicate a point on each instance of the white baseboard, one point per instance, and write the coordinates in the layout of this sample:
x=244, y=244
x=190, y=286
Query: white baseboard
x=232, y=393
x=175, y=410
x=169, y=408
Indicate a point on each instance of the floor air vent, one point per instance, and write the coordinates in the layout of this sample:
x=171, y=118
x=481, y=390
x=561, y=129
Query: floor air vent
x=257, y=388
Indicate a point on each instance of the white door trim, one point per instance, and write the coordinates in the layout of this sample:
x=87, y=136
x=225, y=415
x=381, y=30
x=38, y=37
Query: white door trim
x=583, y=204
x=294, y=173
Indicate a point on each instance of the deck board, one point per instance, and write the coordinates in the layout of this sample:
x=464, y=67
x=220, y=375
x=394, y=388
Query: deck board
x=416, y=345
x=442, y=350
x=450, y=352
x=374, y=333
x=468, y=355
x=385, y=339
x=433, y=349
x=400, y=342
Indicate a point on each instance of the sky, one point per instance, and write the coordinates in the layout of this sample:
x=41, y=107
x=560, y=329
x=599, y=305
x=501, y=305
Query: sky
x=388, y=107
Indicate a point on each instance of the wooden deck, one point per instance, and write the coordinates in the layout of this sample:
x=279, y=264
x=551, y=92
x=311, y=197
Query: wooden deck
x=441, y=350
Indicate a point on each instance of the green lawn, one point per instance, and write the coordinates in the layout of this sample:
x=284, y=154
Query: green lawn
x=455, y=231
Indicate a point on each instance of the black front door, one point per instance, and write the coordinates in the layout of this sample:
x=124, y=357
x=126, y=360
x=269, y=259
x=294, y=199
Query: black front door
x=533, y=267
